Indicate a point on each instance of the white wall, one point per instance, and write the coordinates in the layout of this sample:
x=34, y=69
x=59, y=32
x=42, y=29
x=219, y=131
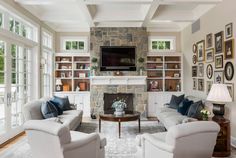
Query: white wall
x=212, y=22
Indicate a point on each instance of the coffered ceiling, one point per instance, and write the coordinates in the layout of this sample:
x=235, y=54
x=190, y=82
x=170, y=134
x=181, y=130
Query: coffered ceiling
x=80, y=15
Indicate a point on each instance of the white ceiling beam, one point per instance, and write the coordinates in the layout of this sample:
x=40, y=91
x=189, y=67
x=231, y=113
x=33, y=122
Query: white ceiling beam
x=118, y=20
x=40, y=2
x=85, y=10
x=153, y=7
x=173, y=2
x=97, y=2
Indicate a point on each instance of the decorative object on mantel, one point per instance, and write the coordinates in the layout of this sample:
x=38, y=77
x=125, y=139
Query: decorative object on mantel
x=229, y=30
x=219, y=77
x=229, y=49
x=118, y=73
x=58, y=85
x=201, y=51
x=94, y=67
x=141, y=68
x=194, y=59
x=119, y=106
x=209, y=71
x=219, y=95
x=229, y=71
x=219, y=61
x=219, y=41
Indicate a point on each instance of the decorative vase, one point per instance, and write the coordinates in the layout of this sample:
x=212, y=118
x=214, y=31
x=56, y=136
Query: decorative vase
x=119, y=111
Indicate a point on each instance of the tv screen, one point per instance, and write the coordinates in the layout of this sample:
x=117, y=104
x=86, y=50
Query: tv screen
x=115, y=58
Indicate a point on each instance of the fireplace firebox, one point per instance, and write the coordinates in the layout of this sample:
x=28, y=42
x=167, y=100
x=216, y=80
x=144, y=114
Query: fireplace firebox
x=110, y=98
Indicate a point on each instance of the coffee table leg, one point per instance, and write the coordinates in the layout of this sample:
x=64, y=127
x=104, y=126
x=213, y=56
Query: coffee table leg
x=119, y=128
x=99, y=125
x=139, y=126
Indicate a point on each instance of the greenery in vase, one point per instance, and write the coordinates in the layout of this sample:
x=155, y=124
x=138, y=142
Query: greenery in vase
x=205, y=114
x=119, y=104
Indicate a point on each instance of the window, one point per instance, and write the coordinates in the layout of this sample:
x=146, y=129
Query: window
x=162, y=44
x=1, y=19
x=74, y=44
x=47, y=40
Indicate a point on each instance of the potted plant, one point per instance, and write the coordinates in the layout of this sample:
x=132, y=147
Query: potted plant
x=119, y=106
x=94, y=66
x=141, y=68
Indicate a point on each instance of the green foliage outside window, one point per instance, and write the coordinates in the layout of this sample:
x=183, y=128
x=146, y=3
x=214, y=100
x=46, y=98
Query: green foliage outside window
x=68, y=45
x=161, y=45
x=1, y=19
x=74, y=45
x=11, y=25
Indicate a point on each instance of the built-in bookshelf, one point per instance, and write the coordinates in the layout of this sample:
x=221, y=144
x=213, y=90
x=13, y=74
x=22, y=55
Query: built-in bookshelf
x=72, y=72
x=164, y=72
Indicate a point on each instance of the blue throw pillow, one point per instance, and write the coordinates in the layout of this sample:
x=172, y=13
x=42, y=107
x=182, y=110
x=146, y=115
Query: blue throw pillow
x=175, y=101
x=184, y=106
x=48, y=110
x=59, y=109
x=195, y=110
x=63, y=103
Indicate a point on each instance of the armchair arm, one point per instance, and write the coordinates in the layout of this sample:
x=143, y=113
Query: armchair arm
x=157, y=143
x=81, y=142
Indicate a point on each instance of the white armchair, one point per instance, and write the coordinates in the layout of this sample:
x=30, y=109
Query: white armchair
x=189, y=140
x=49, y=139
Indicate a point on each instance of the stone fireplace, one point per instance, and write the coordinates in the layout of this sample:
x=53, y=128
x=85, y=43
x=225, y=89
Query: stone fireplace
x=110, y=98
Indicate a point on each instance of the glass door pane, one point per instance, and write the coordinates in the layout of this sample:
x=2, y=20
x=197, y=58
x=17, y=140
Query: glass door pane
x=2, y=88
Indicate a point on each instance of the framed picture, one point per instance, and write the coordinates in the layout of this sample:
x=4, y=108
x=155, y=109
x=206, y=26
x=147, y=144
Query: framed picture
x=219, y=77
x=194, y=71
x=209, y=71
x=219, y=41
x=201, y=51
x=230, y=87
x=219, y=61
x=194, y=84
x=210, y=55
x=194, y=48
x=200, y=70
x=229, y=49
x=201, y=84
x=228, y=30
x=194, y=59
x=208, y=86
x=229, y=71
x=209, y=40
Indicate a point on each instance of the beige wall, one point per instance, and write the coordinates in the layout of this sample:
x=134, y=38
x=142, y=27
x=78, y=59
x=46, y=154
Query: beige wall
x=212, y=22
x=175, y=34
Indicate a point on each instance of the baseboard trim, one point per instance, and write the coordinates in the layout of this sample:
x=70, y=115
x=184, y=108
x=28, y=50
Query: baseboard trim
x=233, y=141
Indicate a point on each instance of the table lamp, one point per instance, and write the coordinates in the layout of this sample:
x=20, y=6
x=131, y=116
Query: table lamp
x=219, y=95
x=58, y=84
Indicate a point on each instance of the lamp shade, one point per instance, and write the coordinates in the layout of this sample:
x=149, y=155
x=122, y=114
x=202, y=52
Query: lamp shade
x=219, y=93
x=58, y=82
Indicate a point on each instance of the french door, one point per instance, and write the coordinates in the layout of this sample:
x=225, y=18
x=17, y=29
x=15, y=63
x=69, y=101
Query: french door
x=15, y=85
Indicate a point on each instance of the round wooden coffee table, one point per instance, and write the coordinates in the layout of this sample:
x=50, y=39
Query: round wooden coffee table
x=125, y=118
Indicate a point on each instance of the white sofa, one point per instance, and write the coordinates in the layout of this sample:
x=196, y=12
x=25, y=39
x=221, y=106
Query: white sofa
x=189, y=140
x=70, y=118
x=170, y=117
x=49, y=139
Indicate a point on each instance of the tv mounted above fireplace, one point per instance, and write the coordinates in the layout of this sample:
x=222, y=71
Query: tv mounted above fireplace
x=118, y=58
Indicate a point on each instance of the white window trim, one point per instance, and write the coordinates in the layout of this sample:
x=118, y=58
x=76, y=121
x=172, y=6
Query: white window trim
x=151, y=38
x=52, y=38
x=71, y=38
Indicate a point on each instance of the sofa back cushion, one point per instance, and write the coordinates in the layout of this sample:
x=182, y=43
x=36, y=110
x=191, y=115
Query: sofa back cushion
x=48, y=110
x=175, y=101
x=195, y=110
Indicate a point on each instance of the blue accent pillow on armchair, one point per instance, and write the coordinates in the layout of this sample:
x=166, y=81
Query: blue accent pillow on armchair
x=175, y=101
x=63, y=103
x=48, y=110
x=184, y=106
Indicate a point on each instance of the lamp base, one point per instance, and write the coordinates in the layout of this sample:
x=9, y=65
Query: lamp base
x=218, y=111
x=58, y=88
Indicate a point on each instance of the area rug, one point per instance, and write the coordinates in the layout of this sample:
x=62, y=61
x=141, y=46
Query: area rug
x=125, y=147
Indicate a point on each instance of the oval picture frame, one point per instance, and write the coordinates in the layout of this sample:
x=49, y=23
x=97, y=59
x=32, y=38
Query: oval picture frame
x=194, y=49
x=209, y=71
x=194, y=59
x=229, y=71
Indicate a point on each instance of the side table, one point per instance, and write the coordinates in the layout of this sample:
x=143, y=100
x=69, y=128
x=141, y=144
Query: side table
x=222, y=147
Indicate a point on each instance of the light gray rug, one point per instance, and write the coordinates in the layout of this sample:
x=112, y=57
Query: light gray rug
x=116, y=148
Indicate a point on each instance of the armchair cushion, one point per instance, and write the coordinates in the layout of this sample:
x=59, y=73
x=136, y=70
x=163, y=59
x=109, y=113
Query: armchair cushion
x=48, y=110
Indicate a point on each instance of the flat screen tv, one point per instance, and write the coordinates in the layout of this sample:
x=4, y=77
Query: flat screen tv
x=118, y=58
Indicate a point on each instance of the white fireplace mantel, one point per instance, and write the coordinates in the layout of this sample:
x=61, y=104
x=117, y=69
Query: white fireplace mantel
x=118, y=80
